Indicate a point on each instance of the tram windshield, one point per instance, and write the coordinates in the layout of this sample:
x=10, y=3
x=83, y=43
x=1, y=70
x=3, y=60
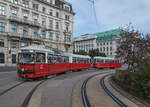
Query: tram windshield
x=26, y=58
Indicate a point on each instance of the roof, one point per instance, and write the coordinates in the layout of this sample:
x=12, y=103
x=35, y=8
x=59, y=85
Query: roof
x=39, y=48
x=109, y=35
x=85, y=37
x=102, y=36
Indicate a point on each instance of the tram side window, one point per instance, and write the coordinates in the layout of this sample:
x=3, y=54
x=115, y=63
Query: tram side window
x=50, y=58
x=107, y=61
x=66, y=59
x=74, y=60
x=40, y=57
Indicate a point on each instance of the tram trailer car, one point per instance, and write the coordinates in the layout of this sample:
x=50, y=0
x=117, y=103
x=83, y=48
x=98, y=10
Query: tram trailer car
x=106, y=62
x=79, y=62
x=37, y=61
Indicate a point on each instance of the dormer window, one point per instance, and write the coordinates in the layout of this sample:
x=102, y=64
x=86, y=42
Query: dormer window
x=67, y=8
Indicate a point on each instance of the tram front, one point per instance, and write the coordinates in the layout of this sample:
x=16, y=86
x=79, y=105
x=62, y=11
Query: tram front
x=26, y=64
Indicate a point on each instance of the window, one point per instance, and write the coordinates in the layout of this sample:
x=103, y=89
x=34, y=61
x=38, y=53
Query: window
x=2, y=58
x=24, y=44
x=35, y=32
x=25, y=30
x=43, y=34
x=2, y=27
x=51, y=12
x=111, y=42
x=25, y=3
x=14, y=13
x=57, y=37
x=25, y=14
x=68, y=38
x=103, y=48
x=51, y=1
x=107, y=48
x=67, y=8
x=35, y=6
x=110, y=48
x=51, y=35
x=35, y=17
x=14, y=28
x=14, y=44
x=51, y=24
x=57, y=15
x=44, y=21
x=67, y=26
x=43, y=10
x=57, y=47
x=1, y=43
x=67, y=17
x=57, y=25
x=13, y=58
x=2, y=10
x=14, y=1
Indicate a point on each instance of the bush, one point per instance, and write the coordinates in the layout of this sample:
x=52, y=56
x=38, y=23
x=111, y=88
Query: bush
x=136, y=82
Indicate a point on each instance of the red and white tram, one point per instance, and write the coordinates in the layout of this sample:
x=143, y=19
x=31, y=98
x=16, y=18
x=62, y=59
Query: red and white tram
x=37, y=61
x=106, y=62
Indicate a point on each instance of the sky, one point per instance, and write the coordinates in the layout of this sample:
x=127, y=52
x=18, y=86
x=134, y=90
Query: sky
x=111, y=14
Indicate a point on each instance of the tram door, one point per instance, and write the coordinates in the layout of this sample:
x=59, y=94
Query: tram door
x=41, y=66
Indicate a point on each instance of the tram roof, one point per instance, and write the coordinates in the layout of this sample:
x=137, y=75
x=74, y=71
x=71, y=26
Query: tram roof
x=76, y=55
x=36, y=48
x=97, y=57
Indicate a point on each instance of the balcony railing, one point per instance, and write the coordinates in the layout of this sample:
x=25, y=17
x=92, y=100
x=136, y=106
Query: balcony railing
x=24, y=21
x=13, y=34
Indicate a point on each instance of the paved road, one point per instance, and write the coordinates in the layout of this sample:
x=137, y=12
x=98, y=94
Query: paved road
x=62, y=91
x=7, y=80
x=57, y=92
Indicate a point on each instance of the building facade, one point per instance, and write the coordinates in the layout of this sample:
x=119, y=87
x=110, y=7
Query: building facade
x=26, y=22
x=107, y=42
x=85, y=42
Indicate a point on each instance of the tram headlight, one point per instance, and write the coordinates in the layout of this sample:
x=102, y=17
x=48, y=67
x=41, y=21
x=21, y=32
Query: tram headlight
x=22, y=69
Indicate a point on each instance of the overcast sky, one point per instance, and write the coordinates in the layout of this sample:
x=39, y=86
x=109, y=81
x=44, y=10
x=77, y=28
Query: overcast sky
x=111, y=14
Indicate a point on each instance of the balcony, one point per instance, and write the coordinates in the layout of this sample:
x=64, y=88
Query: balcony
x=12, y=34
x=4, y=33
x=3, y=17
x=67, y=32
x=24, y=21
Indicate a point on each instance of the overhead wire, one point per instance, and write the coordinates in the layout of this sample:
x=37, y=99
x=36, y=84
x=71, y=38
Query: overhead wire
x=94, y=10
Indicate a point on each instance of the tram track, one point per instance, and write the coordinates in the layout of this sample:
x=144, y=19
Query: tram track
x=28, y=97
x=84, y=93
x=117, y=100
x=14, y=86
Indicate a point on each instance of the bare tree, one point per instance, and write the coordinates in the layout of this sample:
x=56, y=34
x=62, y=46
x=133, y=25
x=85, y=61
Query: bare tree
x=134, y=48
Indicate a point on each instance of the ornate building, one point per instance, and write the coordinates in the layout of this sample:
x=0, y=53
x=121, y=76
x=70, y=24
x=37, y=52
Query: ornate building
x=26, y=22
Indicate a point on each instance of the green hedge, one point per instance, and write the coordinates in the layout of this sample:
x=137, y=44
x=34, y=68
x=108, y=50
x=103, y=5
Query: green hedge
x=136, y=82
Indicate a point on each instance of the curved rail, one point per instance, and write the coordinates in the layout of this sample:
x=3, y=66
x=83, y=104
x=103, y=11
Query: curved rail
x=28, y=97
x=84, y=94
x=110, y=94
x=5, y=91
x=83, y=91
